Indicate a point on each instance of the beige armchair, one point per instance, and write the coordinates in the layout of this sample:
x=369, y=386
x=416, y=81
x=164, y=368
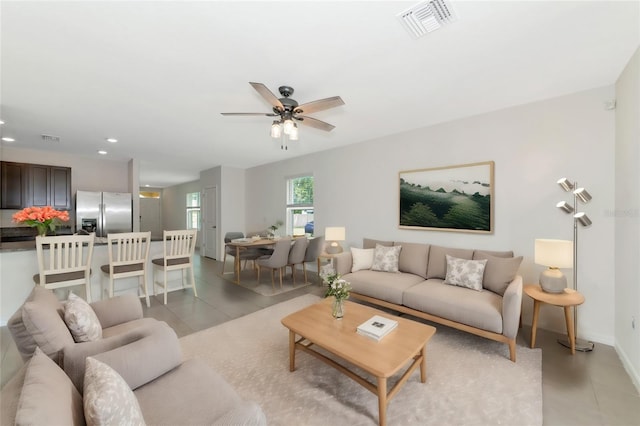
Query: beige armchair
x=39, y=322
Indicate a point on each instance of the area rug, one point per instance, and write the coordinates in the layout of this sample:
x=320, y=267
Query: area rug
x=470, y=380
x=248, y=281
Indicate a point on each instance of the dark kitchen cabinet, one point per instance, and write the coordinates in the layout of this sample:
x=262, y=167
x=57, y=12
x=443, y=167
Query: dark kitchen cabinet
x=13, y=188
x=26, y=185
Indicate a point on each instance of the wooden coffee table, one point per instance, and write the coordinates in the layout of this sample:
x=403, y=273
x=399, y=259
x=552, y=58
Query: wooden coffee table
x=382, y=359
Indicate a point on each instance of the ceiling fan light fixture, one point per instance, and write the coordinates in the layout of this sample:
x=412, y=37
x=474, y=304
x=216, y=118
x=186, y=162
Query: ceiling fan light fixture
x=293, y=134
x=276, y=129
x=288, y=125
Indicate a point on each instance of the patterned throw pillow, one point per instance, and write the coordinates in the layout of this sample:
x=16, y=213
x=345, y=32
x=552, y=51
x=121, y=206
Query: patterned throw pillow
x=81, y=320
x=385, y=259
x=362, y=259
x=465, y=273
x=107, y=398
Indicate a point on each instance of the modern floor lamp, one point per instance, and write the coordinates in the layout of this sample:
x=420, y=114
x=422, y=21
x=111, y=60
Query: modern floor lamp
x=581, y=218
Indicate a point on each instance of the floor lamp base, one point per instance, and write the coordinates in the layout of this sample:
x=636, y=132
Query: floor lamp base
x=581, y=345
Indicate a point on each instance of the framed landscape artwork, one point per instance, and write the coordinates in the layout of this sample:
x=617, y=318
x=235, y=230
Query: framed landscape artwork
x=454, y=198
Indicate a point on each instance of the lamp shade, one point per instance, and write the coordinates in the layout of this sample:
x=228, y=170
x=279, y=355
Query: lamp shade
x=554, y=253
x=564, y=206
x=582, y=195
x=583, y=219
x=334, y=233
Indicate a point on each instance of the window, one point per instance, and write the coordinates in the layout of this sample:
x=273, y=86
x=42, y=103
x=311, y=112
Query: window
x=193, y=210
x=300, y=205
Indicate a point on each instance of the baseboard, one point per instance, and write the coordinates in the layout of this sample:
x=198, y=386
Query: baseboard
x=598, y=338
x=633, y=373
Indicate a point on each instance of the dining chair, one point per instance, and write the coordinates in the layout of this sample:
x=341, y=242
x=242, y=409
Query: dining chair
x=296, y=255
x=178, y=248
x=128, y=256
x=314, y=249
x=65, y=261
x=277, y=260
x=245, y=253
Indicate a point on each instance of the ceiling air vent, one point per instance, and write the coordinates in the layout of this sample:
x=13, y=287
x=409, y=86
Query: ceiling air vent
x=427, y=16
x=49, y=138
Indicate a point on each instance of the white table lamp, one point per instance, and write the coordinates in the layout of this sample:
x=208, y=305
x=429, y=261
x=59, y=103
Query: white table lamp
x=333, y=234
x=555, y=254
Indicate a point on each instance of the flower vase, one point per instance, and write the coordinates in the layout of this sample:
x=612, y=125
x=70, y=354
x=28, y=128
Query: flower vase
x=337, y=308
x=42, y=230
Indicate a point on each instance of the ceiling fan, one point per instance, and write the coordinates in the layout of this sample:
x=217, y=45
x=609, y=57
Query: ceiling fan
x=290, y=111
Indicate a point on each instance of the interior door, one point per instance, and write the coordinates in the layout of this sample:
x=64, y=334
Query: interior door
x=209, y=222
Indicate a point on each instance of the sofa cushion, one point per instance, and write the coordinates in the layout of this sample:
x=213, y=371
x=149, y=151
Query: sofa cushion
x=438, y=262
x=107, y=397
x=465, y=273
x=361, y=259
x=413, y=258
x=385, y=259
x=480, y=309
x=499, y=271
x=42, y=318
x=369, y=243
x=494, y=253
x=386, y=286
x=83, y=323
x=164, y=400
x=23, y=339
x=48, y=396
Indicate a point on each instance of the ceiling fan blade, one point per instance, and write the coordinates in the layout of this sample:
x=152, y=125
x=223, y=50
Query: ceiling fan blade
x=267, y=95
x=319, y=105
x=312, y=122
x=267, y=114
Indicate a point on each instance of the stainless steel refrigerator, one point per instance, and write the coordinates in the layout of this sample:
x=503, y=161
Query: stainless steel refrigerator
x=103, y=212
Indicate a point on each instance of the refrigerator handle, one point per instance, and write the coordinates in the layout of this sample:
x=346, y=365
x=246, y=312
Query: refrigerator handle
x=102, y=225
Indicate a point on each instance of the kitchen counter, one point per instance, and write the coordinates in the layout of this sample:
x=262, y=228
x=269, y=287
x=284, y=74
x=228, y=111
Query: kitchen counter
x=31, y=245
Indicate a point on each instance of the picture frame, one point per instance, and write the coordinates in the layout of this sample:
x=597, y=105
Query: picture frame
x=453, y=198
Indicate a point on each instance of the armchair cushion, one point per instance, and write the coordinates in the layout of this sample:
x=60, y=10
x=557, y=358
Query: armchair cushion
x=108, y=400
x=81, y=320
x=74, y=356
x=118, y=310
x=48, y=396
x=42, y=317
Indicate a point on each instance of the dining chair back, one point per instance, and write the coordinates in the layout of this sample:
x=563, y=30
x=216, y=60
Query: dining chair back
x=277, y=260
x=296, y=255
x=178, y=248
x=65, y=261
x=314, y=249
x=128, y=257
x=243, y=253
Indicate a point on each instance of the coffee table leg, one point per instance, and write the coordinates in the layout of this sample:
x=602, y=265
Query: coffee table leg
x=423, y=365
x=292, y=350
x=382, y=401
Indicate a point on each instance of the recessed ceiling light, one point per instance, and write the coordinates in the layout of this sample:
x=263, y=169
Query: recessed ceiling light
x=102, y=152
x=1, y=122
x=8, y=139
x=112, y=140
x=147, y=186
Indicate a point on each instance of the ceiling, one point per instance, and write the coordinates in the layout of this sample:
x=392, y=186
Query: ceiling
x=156, y=75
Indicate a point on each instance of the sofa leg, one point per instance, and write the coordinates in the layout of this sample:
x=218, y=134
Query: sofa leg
x=512, y=350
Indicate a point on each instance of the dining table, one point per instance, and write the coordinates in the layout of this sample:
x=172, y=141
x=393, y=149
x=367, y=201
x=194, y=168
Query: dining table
x=246, y=243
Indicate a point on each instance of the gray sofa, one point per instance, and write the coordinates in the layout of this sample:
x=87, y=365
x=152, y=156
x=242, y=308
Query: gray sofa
x=144, y=352
x=418, y=289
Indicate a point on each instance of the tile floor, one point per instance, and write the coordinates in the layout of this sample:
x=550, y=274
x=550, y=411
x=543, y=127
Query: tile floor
x=586, y=389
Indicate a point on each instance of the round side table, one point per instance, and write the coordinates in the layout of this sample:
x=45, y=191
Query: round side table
x=568, y=299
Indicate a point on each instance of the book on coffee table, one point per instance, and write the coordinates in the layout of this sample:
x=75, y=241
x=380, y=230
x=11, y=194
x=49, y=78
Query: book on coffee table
x=376, y=327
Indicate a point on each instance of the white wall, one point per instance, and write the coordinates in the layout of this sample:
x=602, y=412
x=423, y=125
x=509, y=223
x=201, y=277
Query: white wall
x=231, y=206
x=532, y=145
x=87, y=174
x=627, y=217
x=174, y=206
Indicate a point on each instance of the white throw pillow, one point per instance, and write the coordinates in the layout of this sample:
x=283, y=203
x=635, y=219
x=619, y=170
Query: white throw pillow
x=362, y=259
x=465, y=273
x=81, y=320
x=385, y=258
x=107, y=398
